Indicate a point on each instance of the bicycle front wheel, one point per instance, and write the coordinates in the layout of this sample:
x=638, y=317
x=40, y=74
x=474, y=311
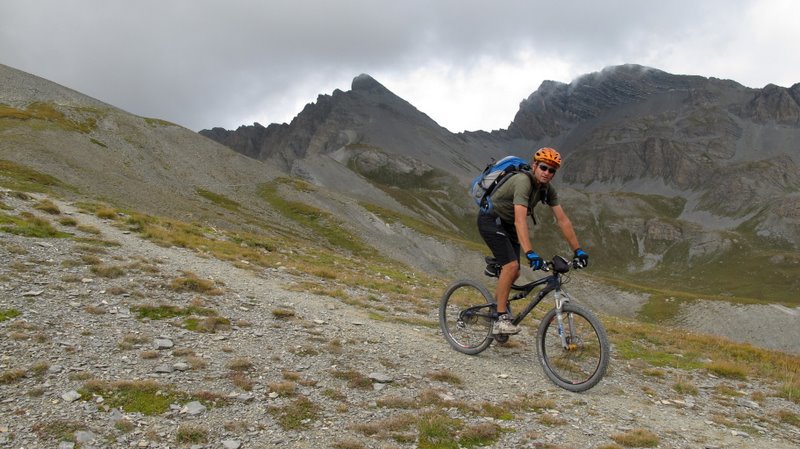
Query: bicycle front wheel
x=579, y=360
x=465, y=316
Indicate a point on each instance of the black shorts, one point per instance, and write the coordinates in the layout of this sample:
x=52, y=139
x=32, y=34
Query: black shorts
x=500, y=237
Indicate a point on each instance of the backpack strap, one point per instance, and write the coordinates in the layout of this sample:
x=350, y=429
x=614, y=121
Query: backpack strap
x=486, y=201
x=533, y=186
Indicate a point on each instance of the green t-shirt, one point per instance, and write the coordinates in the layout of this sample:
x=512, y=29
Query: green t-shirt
x=517, y=190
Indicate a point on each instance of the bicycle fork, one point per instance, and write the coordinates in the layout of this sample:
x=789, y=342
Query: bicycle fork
x=567, y=341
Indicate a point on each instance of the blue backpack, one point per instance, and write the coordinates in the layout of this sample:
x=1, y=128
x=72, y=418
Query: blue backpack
x=492, y=177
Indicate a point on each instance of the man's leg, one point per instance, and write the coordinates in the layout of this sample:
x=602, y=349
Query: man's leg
x=505, y=249
x=508, y=275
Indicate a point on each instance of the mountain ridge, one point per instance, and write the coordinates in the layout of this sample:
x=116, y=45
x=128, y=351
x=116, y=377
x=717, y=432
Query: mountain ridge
x=724, y=154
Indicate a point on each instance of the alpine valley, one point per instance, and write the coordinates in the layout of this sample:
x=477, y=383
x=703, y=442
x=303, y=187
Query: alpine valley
x=681, y=188
x=673, y=182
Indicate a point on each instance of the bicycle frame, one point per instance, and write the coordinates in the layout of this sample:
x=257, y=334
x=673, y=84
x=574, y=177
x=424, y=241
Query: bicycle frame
x=552, y=282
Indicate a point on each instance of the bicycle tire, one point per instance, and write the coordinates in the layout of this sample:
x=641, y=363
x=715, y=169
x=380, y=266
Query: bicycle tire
x=465, y=316
x=583, y=364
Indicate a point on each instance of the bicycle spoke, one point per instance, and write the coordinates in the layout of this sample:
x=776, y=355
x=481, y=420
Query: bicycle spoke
x=464, y=316
x=577, y=361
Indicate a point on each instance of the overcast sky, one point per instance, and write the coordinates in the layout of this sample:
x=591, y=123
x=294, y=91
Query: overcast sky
x=465, y=63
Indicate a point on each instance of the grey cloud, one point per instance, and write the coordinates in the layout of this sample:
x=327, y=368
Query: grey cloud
x=204, y=63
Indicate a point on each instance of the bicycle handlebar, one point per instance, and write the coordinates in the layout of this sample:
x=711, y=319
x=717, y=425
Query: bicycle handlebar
x=561, y=264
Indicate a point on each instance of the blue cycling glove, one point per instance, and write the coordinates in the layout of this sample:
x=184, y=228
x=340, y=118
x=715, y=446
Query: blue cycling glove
x=581, y=258
x=534, y=259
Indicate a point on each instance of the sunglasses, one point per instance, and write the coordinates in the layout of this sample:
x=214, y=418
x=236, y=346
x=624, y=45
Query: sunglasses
x=546, y=168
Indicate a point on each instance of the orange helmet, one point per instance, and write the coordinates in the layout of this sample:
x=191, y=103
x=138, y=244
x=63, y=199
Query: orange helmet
x=548, y=156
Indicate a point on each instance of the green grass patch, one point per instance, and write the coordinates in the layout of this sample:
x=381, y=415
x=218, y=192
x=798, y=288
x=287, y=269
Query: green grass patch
x=82, y=119
x=428, y=179
x=142, y=396
x=438, y=431
x=166, y=311
x=497, y=411
x=232, y=246
x=730, y=370
x=430, y=192
x=147, y=397
x=685, y=386
x=321, y=223
x=18, y=177
x=196, y=318
x=660, y=309
x=157, y=122
x=209, y=324
x=97, y=242
x=159, y=312
x=47, y=206
x=662, y=346
x=296, y=415
x=218, y=199
x=426, y=228
x=7, y=314
x=790, y=390
x=650, y=353
x=28, y=225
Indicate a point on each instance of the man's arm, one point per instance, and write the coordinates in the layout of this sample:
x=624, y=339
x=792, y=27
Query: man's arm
x=566, y=227
x=521, y=225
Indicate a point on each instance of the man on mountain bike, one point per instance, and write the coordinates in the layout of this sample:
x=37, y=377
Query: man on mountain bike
x=505, y=227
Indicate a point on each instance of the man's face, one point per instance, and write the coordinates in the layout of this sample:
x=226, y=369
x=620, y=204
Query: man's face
x=543, y=172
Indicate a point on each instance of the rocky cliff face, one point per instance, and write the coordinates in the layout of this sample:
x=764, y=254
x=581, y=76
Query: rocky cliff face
x=556, y=107
x=775, y=104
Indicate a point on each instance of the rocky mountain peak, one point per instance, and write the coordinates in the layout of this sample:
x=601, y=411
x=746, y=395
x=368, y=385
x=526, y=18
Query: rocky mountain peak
x=364, y=82
x=556, y=107
x=776, y=103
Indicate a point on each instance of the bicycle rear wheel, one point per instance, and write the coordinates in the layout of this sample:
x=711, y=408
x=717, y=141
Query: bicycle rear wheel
x=465, y=316
x=580, y=364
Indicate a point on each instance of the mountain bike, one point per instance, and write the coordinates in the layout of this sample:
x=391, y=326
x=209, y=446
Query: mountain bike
x=571, y=343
